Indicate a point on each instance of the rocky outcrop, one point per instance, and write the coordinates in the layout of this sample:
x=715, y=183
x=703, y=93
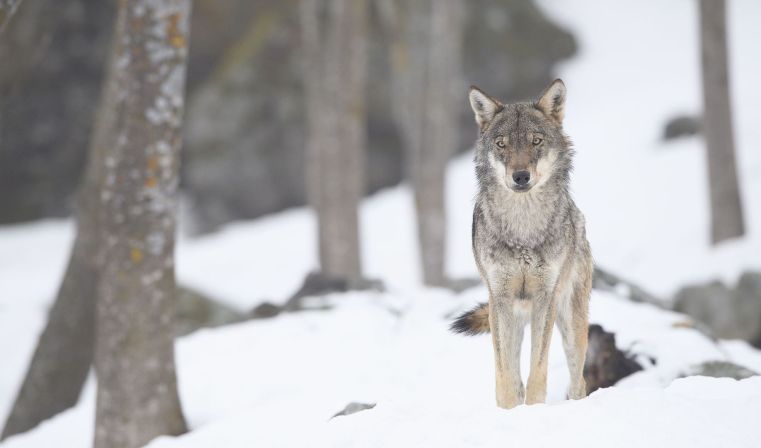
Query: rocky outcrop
x=607, y=281
x=195, y=311
x=245, y=135
x=353, y=408
x=682, y=126
x=730, y=313
x=53, y=63
x=721, y=369
x=244, y=153
x=605, y=364
x=53, y=59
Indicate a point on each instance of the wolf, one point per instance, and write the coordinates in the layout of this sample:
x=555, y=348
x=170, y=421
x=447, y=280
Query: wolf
x=529, y=243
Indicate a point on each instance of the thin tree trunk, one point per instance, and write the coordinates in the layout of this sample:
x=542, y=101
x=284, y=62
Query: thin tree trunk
x=426, y=38
x=64, y=351
x=7, y=9
x=726, y=205
x=334, y=35
x=134, y=354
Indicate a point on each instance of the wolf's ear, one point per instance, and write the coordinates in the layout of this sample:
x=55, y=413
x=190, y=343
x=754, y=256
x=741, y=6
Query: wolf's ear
x=552, y=101
x=484, y=106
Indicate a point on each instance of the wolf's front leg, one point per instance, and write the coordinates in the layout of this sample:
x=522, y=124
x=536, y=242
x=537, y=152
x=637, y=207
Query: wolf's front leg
x=542, y=320
x=507, y=334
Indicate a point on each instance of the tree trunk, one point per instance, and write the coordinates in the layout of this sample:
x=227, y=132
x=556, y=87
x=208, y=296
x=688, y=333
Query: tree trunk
x=426, y=38
x=134, y=354
x=64, y=351
x=726, y=205
x=7, y=9
x=334, y=35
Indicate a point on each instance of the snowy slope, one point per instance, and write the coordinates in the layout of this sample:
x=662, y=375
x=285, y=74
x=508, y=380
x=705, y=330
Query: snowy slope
x=673, y=417
x=646, y=202
x=277, y=382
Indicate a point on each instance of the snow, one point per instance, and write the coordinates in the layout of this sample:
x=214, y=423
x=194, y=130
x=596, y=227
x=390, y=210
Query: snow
x=256, y=382
x=646, y=201
x=605, y=419
x=277, y=382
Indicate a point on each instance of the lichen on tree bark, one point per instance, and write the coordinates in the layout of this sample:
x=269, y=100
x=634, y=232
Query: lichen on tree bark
x=134, y=355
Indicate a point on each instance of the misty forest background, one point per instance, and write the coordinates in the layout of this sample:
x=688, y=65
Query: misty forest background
x=151, y=121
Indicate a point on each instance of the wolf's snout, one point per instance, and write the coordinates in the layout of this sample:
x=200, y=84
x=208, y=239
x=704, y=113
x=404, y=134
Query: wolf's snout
x=521, y=177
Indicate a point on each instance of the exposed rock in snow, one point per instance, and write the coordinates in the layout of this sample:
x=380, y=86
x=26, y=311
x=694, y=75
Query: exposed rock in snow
x=606, y=364
x=729, y=312
x=721, y=369
x=353, y=408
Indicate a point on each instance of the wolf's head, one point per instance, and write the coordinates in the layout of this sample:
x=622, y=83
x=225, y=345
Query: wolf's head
x=522, y=146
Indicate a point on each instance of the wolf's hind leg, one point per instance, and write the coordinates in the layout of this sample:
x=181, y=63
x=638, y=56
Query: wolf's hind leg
x=573, y=323
x=507, y=334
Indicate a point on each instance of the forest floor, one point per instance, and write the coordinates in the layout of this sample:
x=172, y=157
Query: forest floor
x=278, y=382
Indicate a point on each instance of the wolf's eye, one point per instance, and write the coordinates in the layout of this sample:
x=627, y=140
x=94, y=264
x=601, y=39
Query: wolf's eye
x=536, y=141
x=501, y=143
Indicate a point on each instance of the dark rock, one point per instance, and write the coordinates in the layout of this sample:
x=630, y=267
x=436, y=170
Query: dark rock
x=730, y=313
x=265, y=310
x=721, y=369
x=528, y=45
x=245, y=133
x=607, y=281
x=711, y=304
x=53, y=63
x=748, y=305
x=756, y=342
x=682, y=126
x=317, y=283
x=353, y=408
x=244, y=152
x=605, y=364
x=195, y=311
x=53, y=59
x=320, y=284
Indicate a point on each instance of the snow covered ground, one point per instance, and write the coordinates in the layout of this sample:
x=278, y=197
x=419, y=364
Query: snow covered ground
x=277, y=382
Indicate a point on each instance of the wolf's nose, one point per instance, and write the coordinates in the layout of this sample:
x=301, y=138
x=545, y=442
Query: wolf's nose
x=521, y=177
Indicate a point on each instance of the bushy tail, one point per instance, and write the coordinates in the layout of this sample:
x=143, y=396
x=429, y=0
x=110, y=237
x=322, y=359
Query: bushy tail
x=475, y=321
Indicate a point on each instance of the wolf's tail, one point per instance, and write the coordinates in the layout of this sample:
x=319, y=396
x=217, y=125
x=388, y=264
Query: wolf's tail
x=475, y=321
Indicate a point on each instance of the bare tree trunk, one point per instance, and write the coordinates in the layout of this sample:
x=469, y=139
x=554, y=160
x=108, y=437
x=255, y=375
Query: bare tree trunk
x=334, y=35
x=426, y=38
x=64, y=351
x=134, y=353
x=726, y=205
x=7, y=9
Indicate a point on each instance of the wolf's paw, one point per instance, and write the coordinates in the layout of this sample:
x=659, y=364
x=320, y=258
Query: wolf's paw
x=536, y=397
x=577, y=391
x=508, y=399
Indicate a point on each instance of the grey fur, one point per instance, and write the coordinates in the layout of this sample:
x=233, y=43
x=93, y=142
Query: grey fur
x=529, y=244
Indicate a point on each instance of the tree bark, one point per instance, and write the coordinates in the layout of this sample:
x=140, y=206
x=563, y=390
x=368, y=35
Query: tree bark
x=137, y=396
x=63, y=355
x=334, y=41
x=726, y=206
x=426, y=39
x=7, y=9
x=64, y=352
